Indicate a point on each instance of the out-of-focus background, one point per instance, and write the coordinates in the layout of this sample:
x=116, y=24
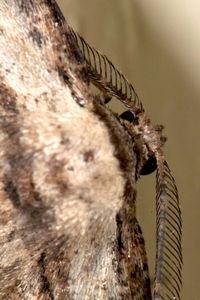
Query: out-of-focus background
x=156, y=44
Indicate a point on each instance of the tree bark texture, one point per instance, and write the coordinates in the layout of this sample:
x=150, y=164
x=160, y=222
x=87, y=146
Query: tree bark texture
x=67, y=191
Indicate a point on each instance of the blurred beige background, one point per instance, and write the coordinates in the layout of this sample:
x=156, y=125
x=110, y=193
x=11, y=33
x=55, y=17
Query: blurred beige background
x=157, y=46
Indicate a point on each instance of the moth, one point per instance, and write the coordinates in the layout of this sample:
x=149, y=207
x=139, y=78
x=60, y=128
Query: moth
x=66, y=230
x=148, y=147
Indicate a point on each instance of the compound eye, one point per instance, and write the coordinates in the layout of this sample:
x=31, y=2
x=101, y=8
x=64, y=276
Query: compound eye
x=149, y=166
x=107, y=99
x=128, y=116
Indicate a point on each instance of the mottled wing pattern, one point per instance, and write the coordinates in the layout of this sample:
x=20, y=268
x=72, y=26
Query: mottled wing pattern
x=59, y=237
x=146, y=139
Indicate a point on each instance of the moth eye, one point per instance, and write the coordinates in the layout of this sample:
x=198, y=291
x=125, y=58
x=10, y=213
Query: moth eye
x=107, y=99
x=128, y=116
x=149, y=166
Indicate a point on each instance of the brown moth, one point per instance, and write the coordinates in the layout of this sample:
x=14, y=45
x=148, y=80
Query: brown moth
x=68, y=168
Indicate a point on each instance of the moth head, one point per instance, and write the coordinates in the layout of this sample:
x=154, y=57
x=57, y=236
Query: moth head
x=150, y=163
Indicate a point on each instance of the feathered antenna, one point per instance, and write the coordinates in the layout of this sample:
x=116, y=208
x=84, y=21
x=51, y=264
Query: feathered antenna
x=168, y=269
x=105, y=75
x=168, y=281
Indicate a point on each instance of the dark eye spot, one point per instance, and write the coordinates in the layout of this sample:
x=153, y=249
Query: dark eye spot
x=107, y=99
x=128, y=116
x=149, y=166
